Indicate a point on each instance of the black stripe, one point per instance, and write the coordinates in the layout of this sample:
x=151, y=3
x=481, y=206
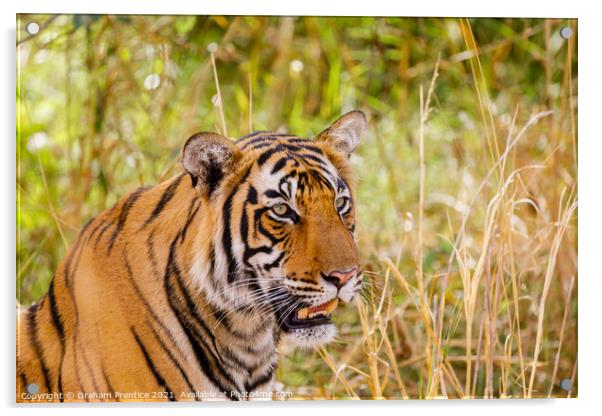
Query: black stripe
x=90, y=221
x=77, y=251
x=189, y=319
x=236, y=361
x=307, y=289
x=173, y=359
x=308, y=157
x=269, y=153
x=259, y=225
x=226, y=234
x=196, y=318
x=191, y=215
x=227, y=238
x=36, y=344
x=250, y=135
x=60, y=381
x=302, y=182
x=95, y=229
x=212, y=267
x=301, y=279
x=250, y=252
x=244, y=224
x=252, y=195
x=286, y=136
x=200, y=349
x=266, y=140
x=269, y=266
x=86, y=225
x=123, y=215
x=280, y=164
x=107, y=381
x=266, y=136
x=150, y=251
x=77, y=374
x=264, y=378
x=341, y=184
x=140, y=296
x=56, y=315
x=104, y=228
x=294, y=148
x=23, y=380
x=271, y=193
x=152, y=313
x=322, y=179
x=164, y=200
x=297, y=149
x=257, y=141
x=66, y=270
x=149, y=362
x=300, y=140
x=89, y=367
x=58, y=325
x=283, y=184
x=309, y=148
x=259, y=307
x=262, y=145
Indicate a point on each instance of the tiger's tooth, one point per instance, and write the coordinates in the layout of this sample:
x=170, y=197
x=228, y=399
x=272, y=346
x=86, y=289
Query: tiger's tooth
x=314, y=314
x=302, y=313
x=320, y=310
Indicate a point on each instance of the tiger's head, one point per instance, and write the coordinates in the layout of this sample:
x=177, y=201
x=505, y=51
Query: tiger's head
x=283, y=218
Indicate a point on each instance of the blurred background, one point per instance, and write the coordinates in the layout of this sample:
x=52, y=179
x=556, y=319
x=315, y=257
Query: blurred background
x=467, y=218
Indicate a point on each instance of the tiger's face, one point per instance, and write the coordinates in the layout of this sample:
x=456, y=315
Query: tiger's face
x=288, y=218
x=298, y=224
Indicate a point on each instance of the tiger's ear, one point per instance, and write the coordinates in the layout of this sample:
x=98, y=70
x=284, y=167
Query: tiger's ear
x=345, y=133
x=207, y=158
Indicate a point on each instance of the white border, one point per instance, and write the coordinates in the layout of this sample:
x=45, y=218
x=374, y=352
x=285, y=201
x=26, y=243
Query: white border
x=590, y=207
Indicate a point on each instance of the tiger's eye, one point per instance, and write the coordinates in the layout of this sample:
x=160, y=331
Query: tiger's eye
x=280, y=209
x=340, y=202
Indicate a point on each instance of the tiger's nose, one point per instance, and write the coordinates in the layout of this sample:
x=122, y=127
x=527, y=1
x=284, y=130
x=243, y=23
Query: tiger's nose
x=339, y=277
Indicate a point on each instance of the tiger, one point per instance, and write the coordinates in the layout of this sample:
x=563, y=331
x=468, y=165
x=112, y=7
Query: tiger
x=185, y=291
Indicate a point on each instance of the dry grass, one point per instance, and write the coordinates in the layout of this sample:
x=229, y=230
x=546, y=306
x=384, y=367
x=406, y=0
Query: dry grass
x=498, y=319
x=467, y=205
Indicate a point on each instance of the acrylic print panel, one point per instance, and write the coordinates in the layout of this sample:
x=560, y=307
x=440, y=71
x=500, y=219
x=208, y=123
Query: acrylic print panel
x=295, y=208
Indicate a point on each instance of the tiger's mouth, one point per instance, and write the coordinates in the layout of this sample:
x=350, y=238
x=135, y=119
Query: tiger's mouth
x=310, y=316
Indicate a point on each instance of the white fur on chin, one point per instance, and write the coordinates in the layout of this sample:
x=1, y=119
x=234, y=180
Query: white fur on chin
x=308, y=338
